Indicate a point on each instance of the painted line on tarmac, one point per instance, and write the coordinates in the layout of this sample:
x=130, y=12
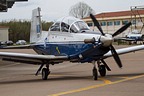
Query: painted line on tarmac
x=106, y=82
x=123, y=77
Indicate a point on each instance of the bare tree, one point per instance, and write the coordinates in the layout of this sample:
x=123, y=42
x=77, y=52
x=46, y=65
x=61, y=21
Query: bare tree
x=81, y=10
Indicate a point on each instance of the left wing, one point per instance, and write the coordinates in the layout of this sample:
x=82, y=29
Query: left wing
x=31, y=58
x=125, y=50
x=17, y=47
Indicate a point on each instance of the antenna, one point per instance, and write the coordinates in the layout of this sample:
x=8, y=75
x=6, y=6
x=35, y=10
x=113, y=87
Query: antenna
x=136, y=12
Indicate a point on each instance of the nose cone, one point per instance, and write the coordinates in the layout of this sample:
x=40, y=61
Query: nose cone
x=106, y=40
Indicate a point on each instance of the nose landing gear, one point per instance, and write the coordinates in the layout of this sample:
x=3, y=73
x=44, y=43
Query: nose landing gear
x=101, y=69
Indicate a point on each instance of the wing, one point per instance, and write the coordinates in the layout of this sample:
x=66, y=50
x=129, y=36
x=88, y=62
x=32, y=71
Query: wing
x=32, y=58
x=125, y=50
x=17, y=47
x=125, y=39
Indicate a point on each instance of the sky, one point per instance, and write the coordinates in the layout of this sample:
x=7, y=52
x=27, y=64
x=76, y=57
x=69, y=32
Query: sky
x=51, y=10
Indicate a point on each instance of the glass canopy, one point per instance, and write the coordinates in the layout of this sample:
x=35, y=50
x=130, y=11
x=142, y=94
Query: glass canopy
x=69, y=24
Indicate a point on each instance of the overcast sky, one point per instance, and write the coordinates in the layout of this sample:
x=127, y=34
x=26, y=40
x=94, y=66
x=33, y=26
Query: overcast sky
x=54, y=9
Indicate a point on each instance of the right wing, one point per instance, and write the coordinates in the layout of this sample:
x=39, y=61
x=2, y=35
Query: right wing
x=125, y=50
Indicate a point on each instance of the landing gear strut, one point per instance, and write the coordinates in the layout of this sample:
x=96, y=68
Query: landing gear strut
x=95, y=73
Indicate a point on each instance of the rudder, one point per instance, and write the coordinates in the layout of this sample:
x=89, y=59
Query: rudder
x=36, y=26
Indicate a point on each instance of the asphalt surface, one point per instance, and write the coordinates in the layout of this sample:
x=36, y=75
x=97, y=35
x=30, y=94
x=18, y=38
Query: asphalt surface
x=73, y=79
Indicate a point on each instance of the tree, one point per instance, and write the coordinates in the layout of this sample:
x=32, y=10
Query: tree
x=81, y=10
x=20, y=29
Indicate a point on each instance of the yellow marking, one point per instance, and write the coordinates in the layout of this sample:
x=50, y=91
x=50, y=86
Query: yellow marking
x=106, y=82
x=57, y=50
x=124, y=77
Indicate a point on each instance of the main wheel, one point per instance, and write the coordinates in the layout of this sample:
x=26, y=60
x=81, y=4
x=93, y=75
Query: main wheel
x=95, y=74
x=45, y=73
x=102, y=70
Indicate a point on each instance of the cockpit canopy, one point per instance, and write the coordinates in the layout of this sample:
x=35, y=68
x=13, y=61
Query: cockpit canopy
x=69, y=24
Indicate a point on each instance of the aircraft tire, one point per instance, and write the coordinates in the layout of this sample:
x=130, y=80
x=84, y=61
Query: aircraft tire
x=44, y=73
x=102, y=70
x=95, y=74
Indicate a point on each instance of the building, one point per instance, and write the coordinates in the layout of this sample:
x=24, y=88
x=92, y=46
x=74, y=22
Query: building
x=4, y=33
x=112, y=21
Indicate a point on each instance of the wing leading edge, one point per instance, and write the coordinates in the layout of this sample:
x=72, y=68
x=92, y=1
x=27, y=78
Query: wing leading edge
x=125, y=50
x=39, y=59
x=31, y=58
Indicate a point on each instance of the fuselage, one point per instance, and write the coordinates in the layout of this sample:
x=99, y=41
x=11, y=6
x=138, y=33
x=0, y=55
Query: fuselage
x=71, y=37
x=71, y=45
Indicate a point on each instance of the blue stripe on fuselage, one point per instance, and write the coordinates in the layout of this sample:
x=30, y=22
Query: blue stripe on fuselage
x=69, y=49
x=63, y=48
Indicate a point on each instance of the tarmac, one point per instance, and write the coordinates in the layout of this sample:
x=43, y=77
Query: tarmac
x=74, y=79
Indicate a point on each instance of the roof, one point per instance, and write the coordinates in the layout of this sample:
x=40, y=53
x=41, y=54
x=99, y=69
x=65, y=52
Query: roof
x=118, y=14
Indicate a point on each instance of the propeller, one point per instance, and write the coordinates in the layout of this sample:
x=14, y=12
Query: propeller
x=122, y=29
x=113, y=51
x=115, y=56
x=96, y=23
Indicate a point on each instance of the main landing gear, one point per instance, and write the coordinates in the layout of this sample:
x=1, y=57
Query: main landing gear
x=101, y=68
x=45, y=71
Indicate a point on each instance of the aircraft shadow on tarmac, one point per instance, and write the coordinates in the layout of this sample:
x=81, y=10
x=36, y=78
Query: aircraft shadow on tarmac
x=61, y=78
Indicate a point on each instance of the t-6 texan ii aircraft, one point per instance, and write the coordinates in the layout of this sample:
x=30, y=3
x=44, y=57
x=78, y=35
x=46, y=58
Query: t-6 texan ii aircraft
x=69, y=39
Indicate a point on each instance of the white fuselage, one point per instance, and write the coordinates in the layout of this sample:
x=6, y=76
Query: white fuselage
x=53, y=36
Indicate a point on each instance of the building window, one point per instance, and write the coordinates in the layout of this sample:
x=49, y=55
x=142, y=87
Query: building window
x=116, y=22
x=103, y=23
x=90, y=24
x=124, y=22
x=109, y=23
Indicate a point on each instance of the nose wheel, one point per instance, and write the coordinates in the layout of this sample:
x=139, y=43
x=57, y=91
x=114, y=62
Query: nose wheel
x=102, y=70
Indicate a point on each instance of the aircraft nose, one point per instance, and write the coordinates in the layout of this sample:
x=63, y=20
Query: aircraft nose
x=106, y=40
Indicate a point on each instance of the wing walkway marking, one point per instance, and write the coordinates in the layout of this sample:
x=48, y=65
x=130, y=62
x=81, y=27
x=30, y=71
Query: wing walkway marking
x=106, y=82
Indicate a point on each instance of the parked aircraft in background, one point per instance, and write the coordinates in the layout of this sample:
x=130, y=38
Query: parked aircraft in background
x=69, y=39
x=133, y=36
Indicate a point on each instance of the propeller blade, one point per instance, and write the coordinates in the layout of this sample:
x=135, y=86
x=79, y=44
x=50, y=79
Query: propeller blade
x=122, y=29
x=115, y=56
x=107, y=67
x=96, y=23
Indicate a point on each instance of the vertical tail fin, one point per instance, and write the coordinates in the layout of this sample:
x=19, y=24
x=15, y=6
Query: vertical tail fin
x=36, y=26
